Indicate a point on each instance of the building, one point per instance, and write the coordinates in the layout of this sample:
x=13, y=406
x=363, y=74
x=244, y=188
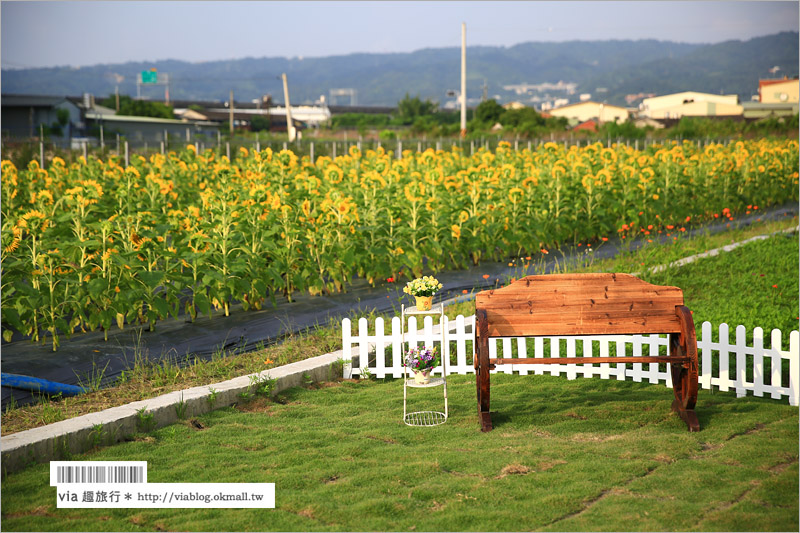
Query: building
x=584, y=111
x=22, y=115
x=690, y=104
x=781, y=91
x=514, y=106
x=149, y=129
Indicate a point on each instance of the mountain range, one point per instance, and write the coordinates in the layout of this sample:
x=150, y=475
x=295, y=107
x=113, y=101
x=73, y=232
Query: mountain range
x=607, y=70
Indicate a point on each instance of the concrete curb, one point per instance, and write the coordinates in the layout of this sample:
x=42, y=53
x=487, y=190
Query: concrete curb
x=60, y=440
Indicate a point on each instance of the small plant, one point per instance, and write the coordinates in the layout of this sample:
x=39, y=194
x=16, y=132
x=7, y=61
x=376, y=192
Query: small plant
x=212, y=397
x=145, y=420
x=180, y=408
x=245, y=396
x=96, y=435
x=262, y=384
x=365, y=373
x=92, y=381
x=307, y=379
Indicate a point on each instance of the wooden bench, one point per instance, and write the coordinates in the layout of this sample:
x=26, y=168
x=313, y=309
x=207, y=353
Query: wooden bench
x=588, y=304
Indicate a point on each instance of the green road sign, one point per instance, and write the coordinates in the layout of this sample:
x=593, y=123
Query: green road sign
x=149, y=76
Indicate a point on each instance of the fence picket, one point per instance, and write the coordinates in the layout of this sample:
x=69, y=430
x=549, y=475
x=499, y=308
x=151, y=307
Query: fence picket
x=705, y=356
x=380, y=342
x=724, y=380
x=397, y=348
x=462, y=331
x=758, y=362
x=347, y=345
x=741, y=361
x=363, y=343
x=776, y=360
x=794, y=368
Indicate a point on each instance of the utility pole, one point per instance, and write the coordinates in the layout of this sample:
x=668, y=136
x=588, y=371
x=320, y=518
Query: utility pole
x=231, y=112
x=289, y=127
x=463, y=80
x=116, y=94
x=485, y=91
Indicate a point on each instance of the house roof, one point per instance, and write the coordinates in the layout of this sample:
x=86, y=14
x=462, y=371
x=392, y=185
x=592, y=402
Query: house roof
x=30, y=100
x=148, y=120
x=589, y=103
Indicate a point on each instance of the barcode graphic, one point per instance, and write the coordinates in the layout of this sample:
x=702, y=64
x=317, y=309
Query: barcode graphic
x=91, y=472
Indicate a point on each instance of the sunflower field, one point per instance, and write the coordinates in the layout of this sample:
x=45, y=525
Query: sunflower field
x=93, y=244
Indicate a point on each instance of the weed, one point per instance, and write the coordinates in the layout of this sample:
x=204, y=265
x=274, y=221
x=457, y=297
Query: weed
x=365, y=373
x=96, y=435
x=307, y=379
x=212, y=397
x=93, y=380
x=180, y=408
x=262, y=384
x=145, y=420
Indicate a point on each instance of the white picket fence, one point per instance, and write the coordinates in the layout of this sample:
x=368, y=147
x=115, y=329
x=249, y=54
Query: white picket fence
x=383, y=353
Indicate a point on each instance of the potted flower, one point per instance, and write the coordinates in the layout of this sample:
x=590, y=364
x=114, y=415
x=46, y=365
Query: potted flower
x=423, y=290
x=421, y=361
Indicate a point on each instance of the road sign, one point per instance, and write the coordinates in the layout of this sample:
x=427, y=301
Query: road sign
x=149, y=76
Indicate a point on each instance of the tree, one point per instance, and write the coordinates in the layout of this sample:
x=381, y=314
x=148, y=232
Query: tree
x=139, y=108
x=489, y=111
x=259, y=123
x=410, y=108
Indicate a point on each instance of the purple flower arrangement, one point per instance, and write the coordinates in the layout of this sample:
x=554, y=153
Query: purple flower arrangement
x=421, y=359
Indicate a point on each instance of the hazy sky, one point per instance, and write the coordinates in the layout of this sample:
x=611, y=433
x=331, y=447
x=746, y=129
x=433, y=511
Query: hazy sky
x=42, y=34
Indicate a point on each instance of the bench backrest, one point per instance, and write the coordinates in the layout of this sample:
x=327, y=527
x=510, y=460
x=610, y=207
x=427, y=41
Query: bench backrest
x=580, y=304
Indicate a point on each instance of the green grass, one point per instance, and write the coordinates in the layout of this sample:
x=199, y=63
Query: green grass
x=754, y=285
x=582, y=455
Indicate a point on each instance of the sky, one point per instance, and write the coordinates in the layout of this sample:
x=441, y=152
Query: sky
x=63, y=33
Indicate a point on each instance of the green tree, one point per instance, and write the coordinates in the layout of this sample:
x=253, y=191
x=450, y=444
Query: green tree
x=489, y=112
x=139, y=108
x=258, y=123
x=410, y=109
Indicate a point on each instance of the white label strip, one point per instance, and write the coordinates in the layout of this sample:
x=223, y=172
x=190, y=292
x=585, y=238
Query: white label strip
x=167, y=495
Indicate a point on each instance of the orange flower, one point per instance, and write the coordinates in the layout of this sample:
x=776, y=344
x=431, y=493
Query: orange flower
x=268, y=361
x=545, y=251
x=486, y=276
x=604, y=239
x=669, y=226
x=464, y=291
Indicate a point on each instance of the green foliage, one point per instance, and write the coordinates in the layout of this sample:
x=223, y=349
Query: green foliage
x=355, y=120
x=489, y=112
x=145, y=420
x=139, y=108
x=409, y=109
x=259, y=123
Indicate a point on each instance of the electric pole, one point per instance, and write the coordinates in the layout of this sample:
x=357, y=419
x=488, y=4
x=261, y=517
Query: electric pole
x=289, y=127
x=463, y=80
x=231, y=112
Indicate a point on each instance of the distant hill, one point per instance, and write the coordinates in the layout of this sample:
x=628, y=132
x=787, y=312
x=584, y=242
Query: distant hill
x=731, y=67
x=621, y=67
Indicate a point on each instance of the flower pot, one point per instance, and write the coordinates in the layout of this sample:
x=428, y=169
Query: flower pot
x=422, y=377
x=424, y=303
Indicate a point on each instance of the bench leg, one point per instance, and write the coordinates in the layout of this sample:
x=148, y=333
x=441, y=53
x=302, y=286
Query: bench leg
x=687, y=415
x=482, y=370
x=684, y=376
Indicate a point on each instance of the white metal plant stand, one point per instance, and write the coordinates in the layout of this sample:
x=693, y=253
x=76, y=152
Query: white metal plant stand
x=424, y=418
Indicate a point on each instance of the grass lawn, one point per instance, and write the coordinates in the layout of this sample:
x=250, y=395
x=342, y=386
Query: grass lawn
x=582, y=455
